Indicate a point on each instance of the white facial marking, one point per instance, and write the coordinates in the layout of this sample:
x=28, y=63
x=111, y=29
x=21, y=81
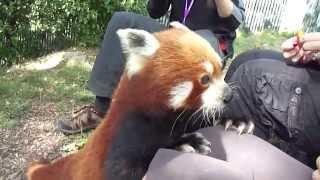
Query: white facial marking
x=212, y=98
x=179, y=94
x=138, y=45
x=208, y=67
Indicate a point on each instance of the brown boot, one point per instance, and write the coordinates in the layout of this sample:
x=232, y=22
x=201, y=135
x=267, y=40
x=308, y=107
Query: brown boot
x=84, y=119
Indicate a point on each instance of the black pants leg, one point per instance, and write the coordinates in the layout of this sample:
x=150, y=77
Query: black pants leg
x=102, y=104
x=252, y=55
x=233, y=157
x=110, y=61
x=282, y=102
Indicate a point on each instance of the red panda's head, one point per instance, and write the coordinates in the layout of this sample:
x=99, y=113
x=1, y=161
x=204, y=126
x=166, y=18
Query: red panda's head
x=174, y=69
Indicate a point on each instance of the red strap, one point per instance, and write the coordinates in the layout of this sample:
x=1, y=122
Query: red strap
x=222, y=44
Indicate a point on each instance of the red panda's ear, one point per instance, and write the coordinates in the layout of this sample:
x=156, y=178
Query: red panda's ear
x=138, y=45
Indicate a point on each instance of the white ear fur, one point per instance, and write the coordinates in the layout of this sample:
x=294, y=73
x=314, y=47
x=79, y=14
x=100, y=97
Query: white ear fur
x=178, y=25
x=138, y=45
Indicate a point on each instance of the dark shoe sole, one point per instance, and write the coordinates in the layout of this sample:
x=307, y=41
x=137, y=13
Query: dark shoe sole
x=74, y=131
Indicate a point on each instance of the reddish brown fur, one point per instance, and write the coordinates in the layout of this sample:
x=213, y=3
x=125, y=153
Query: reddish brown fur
x=182, y=63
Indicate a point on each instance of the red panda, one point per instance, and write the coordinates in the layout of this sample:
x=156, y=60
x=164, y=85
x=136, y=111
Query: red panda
x=169, y=76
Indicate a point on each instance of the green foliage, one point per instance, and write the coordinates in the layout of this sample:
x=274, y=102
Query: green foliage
x=30, y=28
x=266, y=39
x=13, y=16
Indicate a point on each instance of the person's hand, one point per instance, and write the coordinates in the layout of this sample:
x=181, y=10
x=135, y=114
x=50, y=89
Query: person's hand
x=304, y=50
x=316, y=173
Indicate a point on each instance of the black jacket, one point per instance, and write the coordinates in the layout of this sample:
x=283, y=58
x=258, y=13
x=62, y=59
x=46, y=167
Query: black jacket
x=203, y=15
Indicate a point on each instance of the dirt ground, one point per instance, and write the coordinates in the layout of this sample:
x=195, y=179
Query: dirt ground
x=35, y=137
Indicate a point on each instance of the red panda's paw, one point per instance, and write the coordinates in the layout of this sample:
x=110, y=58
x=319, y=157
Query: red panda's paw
x=194, y=143
x=241, y=127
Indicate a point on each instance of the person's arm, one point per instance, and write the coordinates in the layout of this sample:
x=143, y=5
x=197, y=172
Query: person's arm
x=158, y=8
x=224, y=7
x=304, y=50
x=232, y=12
x=316, y=173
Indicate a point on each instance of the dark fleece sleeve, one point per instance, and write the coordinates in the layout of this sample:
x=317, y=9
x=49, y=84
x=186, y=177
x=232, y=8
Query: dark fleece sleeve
x=157, y=8
x=237, y=16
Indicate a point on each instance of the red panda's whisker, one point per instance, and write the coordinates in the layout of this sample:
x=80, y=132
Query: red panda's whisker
x=219, y=110
x=186, y=125
x=199, y=117
x=202, y=119
x=206, y=116
x=211, y=113
x=176, y=120
x=195, y=113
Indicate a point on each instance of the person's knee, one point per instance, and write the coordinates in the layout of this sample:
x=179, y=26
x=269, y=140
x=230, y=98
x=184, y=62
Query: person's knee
x=123, y=18
x=242, y=71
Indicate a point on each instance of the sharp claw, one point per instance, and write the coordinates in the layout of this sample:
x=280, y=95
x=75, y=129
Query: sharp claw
x=216, y=122
x=241, y=128
x=208, y=150
x=250, y=127
x=204, y=150
x=228, y=124
x=206, y=142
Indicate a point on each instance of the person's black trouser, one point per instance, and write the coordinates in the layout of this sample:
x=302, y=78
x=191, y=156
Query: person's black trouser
x=252, y=55
x=233, y=157
x=110, y=61
x=283, y=101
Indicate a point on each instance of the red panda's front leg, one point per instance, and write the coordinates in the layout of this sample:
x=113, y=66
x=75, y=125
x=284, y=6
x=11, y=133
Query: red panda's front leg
x=139, y=136
x=136, y=141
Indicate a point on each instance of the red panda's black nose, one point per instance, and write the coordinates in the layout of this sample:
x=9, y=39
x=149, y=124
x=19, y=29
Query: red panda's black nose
x=227, y=94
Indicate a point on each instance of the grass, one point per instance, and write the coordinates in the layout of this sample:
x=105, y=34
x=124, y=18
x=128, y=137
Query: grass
x=65, y=85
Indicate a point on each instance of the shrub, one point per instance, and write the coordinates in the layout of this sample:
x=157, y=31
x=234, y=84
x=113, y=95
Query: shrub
x=30, y=28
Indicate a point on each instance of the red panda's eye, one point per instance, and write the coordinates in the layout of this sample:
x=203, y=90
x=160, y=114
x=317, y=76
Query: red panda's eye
x=205, y=79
